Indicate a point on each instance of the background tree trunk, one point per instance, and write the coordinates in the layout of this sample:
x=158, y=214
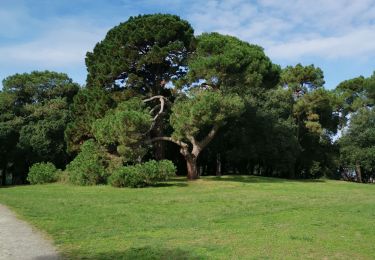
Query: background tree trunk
x=359, y=172
x=218, y=165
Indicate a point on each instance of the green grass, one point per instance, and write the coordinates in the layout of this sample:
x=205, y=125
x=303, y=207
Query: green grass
x=227, y=218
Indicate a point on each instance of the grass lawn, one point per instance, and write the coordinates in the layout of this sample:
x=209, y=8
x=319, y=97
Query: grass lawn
x=228, y=218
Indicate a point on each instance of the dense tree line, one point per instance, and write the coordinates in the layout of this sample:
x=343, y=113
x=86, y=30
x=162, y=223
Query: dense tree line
x=211, y=103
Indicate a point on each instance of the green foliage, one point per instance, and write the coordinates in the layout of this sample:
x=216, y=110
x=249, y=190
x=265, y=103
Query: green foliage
x=263, y=140
x=88, y=167
x=38, y=86
x=202, y=110
x=357, y=145
x=232, y=65
x=89, y=105
x=40, y=173
x=34, y=111
x=315, y=111
x=43, y=136
x=355, y=94
x=124, y=128
x=141, y=53
x=141, y=175
x=301, y=78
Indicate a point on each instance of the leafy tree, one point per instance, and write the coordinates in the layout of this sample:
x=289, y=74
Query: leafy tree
x=302, y=79
x=34, y=113
x=354, y=94
x=317, y=122
x=39, y=86
x=233, y=67
x=315, y=112
x=357, y=145
x=143, y=53
x=197, y=119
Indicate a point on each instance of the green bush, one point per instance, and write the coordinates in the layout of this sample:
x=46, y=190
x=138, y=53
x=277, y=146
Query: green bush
x=141, y=175
x=40, y=173
x=88, y=166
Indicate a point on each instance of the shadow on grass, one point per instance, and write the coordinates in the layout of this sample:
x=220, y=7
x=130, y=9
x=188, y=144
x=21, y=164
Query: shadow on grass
x=13, y=186
x=168, y=184
x=258, y=179
x=142, y=253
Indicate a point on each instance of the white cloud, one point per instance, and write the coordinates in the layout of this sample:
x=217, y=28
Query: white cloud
x=64, y=43
x=355, y=44
x=293, y=29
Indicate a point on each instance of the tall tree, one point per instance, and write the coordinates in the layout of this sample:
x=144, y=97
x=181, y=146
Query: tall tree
x=357, y=114
x=315, y=112
x=34, y=114
x=143, y=53
x=357, y=145
x=232, y=66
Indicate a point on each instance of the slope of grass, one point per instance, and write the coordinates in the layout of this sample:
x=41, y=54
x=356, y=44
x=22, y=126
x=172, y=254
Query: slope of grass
x=228, y=218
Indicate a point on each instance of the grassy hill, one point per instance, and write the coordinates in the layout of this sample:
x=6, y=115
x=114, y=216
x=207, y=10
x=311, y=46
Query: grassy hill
x=229, y=218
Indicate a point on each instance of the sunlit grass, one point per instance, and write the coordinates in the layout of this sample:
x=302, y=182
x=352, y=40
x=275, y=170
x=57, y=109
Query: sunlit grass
x=228, y=218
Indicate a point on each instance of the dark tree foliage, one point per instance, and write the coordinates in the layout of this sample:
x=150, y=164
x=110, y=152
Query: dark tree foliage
x=89, y=105
x=357, y=145
x=34, y=114
x=357, y=119
x=143, y=53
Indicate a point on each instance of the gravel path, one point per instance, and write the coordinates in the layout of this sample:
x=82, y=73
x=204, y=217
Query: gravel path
x=19, y=241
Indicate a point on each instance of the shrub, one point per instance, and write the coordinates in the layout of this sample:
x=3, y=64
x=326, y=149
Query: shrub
x=88, y=166
x=40, y=173
x=141, y=175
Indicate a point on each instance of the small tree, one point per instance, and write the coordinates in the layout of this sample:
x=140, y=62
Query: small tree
x=196, y=119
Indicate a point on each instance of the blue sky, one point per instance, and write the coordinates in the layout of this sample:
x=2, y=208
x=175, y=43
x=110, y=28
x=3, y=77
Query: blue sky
x=338, y=36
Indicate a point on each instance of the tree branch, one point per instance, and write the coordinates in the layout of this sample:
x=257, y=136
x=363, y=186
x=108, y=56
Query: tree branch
x=209, y=137
x=162, y=100
x=170, y=139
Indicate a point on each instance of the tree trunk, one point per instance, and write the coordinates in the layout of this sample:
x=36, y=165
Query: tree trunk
x=359, y=172
x=192, y=170
x=3, y=177
x=159, y=146
x=218, y=165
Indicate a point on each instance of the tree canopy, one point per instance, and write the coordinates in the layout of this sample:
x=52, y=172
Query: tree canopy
x=143, y=53
x=34, y=114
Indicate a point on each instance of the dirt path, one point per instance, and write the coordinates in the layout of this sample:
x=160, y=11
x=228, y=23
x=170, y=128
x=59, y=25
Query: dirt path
x=20, y=241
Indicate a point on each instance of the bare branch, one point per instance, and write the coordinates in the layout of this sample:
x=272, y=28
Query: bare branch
x=169, y=139
x=153, y=98
x=162, y=100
